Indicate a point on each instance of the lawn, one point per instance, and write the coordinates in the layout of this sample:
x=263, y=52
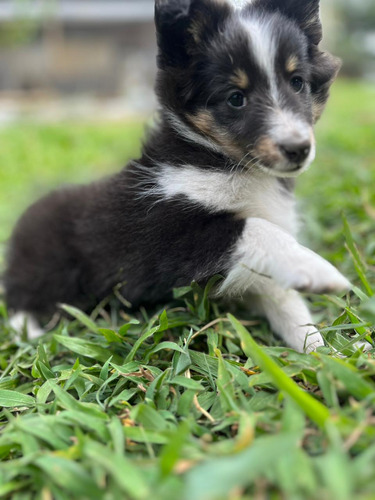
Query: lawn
x=182, y=403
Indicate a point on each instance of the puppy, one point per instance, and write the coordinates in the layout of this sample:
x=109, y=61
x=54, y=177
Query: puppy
x=240, y=86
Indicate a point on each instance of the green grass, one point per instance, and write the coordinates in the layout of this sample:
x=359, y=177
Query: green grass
x=37, y=157
x=182, y=403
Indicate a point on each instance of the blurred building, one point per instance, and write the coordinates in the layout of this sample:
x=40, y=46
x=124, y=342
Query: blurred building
x=104, y=48
x=354, y=36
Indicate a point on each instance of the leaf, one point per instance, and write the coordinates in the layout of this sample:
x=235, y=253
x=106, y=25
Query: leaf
x=358, y=292
x=246, y=432
x=182, y=362
x=139, y=342
x=163, y=321
x=325, y=381
x=178, y=293
x=225, y=385
x=204, y=307
x=367, y=309
x=163, y=345
x=349, y=377
x=68, y=402
x=81, y=317
x=104, y=371
x=85, y=348
x=125, y=395
x=357, y=259
x=142, y=435
x=69, y=475
x=121, y=469
x=313, y=408
x=149, y=418
x=110, y=335
x=172, y=451
x=125, y=328
x=45, y=371
x=207, y=365
x=11, y=487
x=216, y=478
x=45, y=430
x=336, y=467
x=116, y=431
x=185, y=402
x=188, y=383
x=13, y=399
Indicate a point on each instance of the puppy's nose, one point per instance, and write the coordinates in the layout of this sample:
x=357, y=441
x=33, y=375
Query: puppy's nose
x=296, y=152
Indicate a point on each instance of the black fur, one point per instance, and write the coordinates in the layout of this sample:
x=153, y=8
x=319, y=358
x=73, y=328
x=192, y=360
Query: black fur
x=304, y=13
x=77, y=244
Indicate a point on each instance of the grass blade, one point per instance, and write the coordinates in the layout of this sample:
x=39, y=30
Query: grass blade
x=13, y=399
x=315, y=410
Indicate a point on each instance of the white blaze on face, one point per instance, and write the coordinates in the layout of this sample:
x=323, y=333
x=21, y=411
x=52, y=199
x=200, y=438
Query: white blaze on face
x=284, y=125
x=263, y=46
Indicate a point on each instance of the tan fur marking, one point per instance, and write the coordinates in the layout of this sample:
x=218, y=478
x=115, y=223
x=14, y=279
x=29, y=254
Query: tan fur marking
x=318, y=108
x=195, y=30
x=205, y=122
x=267, y=151
x=240, y=79
x=292, y=64
x=230, y=147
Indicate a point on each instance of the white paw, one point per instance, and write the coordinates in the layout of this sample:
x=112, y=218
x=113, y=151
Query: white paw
x=306, y=271
x=362, y=344
x=22, y=321
x=305, y=339
x=312, y=341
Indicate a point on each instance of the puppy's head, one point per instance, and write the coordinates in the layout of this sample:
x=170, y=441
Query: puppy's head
x=247, y=81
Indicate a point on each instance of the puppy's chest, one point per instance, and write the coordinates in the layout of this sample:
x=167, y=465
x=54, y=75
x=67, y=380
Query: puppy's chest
x=246, y=195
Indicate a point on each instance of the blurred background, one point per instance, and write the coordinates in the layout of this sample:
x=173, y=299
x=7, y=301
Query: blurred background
x=76, y=86
x=76, y=55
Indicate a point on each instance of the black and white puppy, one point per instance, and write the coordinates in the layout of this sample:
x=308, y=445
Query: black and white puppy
x=240, y=85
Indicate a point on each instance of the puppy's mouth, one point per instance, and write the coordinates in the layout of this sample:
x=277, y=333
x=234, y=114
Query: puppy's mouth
x=291, y=172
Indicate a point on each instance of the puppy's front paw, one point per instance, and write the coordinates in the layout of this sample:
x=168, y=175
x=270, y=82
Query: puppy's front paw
x=311, y=273
x=312, y=342
x=305, y=339
x=364, y=345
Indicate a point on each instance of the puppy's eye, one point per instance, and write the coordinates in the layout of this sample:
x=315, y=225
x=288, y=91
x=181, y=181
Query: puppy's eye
x=297, y=84
x=237, y=100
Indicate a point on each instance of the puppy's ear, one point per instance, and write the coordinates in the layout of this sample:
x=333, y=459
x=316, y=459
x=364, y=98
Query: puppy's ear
x=304, y=12
x=171, y=21
x=182, y=25
x=207, y=16
x=324, y=69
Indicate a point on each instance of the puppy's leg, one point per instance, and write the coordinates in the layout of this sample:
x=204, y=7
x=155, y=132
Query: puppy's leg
x=287, y=314
x=24, y=321
x=289, y=317
x=267, y=250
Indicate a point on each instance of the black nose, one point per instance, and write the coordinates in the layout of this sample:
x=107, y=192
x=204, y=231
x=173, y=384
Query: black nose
x=296, y=152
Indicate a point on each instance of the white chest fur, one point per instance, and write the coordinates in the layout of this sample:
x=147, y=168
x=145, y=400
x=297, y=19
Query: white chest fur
x=249, y=194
